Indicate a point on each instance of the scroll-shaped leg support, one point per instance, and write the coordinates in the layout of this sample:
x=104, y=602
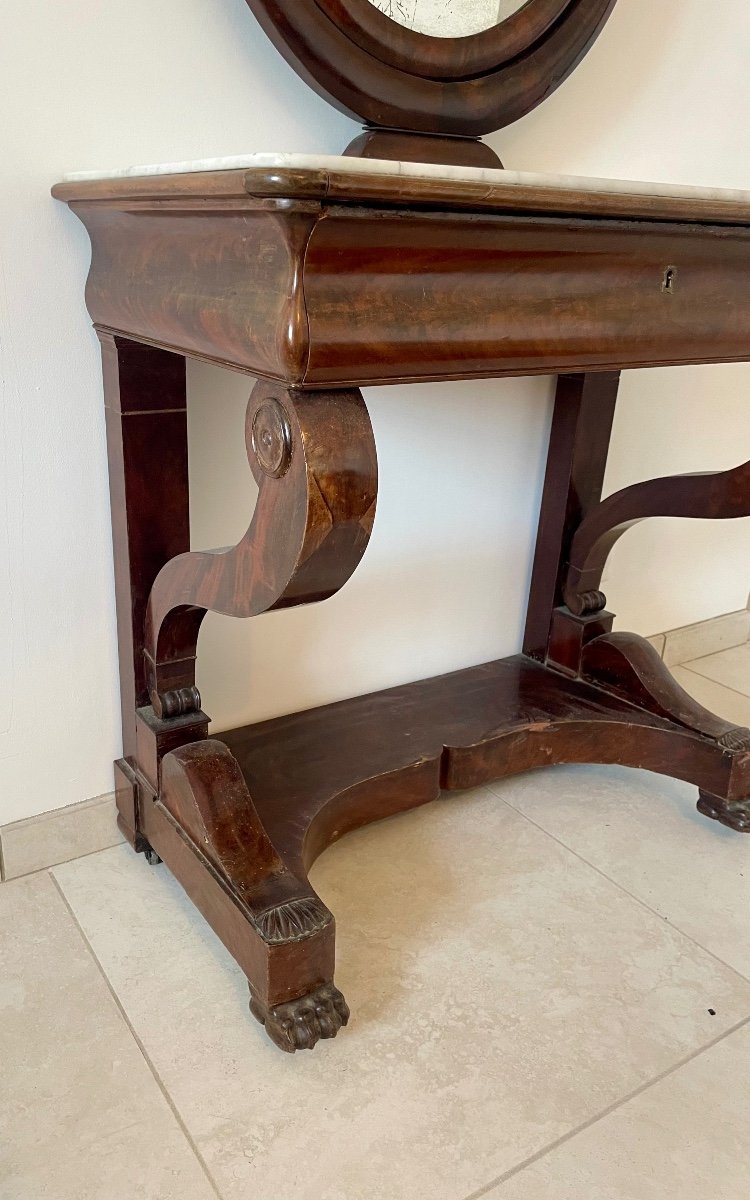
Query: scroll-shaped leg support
x=714, y=495
x=313, y=455
x=626, y=665
x=273, y=923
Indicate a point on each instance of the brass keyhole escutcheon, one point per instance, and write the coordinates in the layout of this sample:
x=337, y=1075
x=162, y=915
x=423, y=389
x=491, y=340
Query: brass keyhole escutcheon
x=670, y=280
x=272, y=438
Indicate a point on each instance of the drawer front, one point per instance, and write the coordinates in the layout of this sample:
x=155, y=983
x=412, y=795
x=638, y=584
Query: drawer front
x=406, y=296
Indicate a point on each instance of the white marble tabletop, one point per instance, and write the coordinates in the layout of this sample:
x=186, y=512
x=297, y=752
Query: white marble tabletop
x=373, y=166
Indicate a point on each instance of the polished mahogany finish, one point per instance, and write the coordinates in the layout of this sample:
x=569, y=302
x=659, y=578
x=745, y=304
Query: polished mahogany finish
x=146, y=414
x=317, y=282
x=389, y=76
x=320, y=293
x=417, y=53
x=716, y=495
x=313, y=457
x=576, y=461
x=627, y=666
x=423, y=148
x=229, y=190
x=453, y=732
x=241, y=819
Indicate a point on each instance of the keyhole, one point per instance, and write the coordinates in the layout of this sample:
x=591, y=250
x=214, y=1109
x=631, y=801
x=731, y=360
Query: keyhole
x=670, y=276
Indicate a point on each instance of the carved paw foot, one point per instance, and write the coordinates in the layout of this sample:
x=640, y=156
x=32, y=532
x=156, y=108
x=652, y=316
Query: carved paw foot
x=734, y=813
x=300, y=1023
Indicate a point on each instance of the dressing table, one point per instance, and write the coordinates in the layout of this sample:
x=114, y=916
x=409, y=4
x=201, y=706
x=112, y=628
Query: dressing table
x=414, y=256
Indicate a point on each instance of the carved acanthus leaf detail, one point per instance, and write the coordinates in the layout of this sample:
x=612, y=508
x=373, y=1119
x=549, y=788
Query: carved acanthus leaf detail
x=292, y=921
x=735, y=739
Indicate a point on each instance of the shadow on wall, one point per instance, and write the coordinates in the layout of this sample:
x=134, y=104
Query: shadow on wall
x=397, y=625
x=445, y=578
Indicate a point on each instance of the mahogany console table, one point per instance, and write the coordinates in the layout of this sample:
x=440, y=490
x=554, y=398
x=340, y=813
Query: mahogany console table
x=318, y=278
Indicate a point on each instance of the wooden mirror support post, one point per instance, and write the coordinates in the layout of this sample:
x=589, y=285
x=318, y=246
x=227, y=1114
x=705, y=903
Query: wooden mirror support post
x=316, y=279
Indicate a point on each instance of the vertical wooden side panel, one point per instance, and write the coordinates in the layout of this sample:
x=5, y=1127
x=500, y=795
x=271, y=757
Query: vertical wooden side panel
x=579, y=444
x=145, y=398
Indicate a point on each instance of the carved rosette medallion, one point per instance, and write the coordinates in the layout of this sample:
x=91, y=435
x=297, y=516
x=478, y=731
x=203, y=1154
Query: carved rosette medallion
x=272, y=438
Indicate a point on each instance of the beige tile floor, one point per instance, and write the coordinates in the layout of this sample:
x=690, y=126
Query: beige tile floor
x=550, y=985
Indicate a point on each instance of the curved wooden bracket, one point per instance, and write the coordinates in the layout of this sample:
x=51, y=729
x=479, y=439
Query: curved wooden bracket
x=630, y=667
x=273, y=923
x=313, y=456
x=710, y=495
x=204, y=790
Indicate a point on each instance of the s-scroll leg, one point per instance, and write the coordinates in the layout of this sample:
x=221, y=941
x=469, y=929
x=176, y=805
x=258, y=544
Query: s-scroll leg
x=313, y=456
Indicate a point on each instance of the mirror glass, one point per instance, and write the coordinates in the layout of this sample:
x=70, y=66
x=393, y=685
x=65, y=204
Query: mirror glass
x=448, y=18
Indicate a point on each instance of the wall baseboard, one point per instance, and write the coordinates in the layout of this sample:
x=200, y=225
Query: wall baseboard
x=678, y=646
x=58, y=836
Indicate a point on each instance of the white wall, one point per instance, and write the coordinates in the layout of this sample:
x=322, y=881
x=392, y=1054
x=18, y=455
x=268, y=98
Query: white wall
x=663, y=95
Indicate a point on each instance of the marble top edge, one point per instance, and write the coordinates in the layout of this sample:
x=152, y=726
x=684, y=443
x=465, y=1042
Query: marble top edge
x=436, y=172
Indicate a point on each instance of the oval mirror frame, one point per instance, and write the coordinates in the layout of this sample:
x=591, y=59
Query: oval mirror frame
x=392, y=77
x=443, y=58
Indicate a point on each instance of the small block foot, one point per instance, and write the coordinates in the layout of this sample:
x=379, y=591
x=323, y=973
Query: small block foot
x=733, y=813
x=300, y=1024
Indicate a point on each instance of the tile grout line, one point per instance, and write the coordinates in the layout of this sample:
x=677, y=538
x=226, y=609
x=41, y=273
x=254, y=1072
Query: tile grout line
x=62, y=863
x=159, y=1082
x=710, y=679
x=606, y=1112
x=713, y=653
x=620, y=887
x=542, y=1153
